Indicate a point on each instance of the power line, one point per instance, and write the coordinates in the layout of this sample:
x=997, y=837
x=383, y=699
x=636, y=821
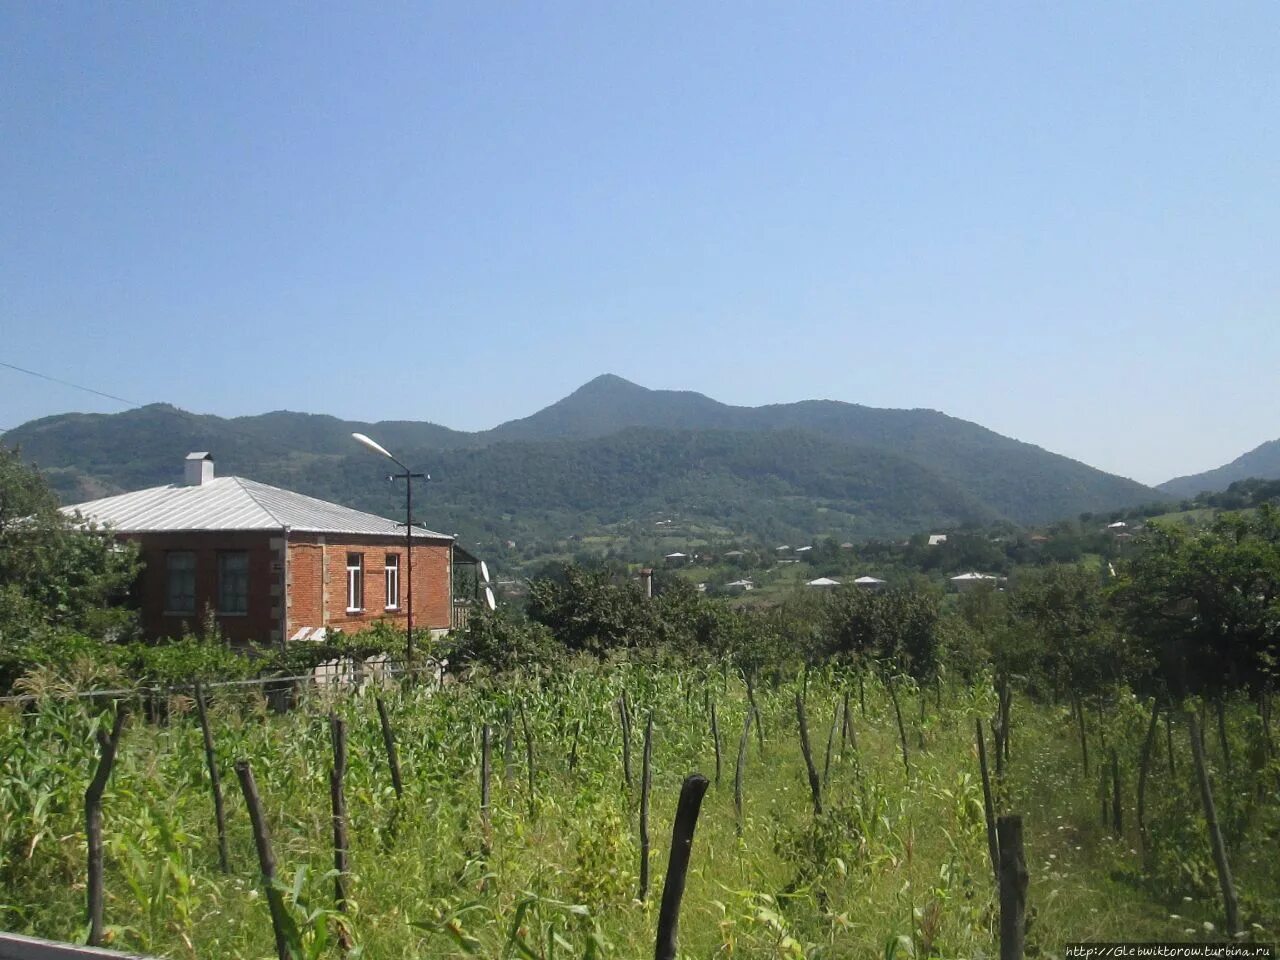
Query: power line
x=68, y=383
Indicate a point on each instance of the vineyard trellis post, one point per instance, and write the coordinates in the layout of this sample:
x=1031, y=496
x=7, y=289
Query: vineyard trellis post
x=691, y=793
x=715, y=738
x=739, y=769
x=266, y=859
x=815, y=786
x=646, y=784
x=1230, y=904
x=215, y=779
x=1013, y=888
x=389, y=742
x=107, y=744
x=338, y=806
x=988, y=803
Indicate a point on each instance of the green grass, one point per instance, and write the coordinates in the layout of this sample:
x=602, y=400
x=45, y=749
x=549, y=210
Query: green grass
x=897, y=865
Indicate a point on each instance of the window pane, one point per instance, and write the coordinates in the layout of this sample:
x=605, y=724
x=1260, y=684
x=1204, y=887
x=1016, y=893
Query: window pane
x=233, y=582
x=180, y=593
x=393, y=580
x=355, y=581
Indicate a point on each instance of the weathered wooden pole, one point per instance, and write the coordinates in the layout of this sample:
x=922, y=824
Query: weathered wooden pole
x=1078, y=709
x=902, y=731
x=742, y=763
x=266, y=859
x=338, y=807
x=573, y=750
x=528, y=751
x=715, y=738
x=755, y=708
x=508, y=746
x=691, y=793
x=988, y=804
x=624, y=721
x=215, y=780
x=1144, y=767
x=1168, y=735
x=1013, y=888
x=646, y=783
x=845, y=724
x=1229, y=902
x=107, y=744
x=1117, y=816
x=486, y=756
x=831, y=739
x=389, y=741
x=815, y=786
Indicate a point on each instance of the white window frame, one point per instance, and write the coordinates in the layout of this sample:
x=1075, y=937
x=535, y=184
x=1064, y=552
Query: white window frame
x=188, y=571
x=355, y=583
x=392, y=578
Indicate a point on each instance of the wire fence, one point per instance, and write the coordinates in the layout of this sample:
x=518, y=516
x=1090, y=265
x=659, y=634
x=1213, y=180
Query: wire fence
x=335, y=672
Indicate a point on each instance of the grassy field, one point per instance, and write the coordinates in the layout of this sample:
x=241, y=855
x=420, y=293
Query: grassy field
x=897, y=864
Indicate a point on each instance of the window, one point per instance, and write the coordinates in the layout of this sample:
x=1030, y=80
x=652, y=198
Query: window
x=355, y=582
x=393, y=581
x=180, y=593
x=233, y=582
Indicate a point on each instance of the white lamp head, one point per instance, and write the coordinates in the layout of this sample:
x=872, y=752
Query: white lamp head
x=372, y=445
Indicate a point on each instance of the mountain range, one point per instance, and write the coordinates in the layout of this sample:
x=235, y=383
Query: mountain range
x=1262, y=462
x=611, y=453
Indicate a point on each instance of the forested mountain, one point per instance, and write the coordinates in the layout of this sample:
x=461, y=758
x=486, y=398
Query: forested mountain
x=1262, y=462
x=609, y=453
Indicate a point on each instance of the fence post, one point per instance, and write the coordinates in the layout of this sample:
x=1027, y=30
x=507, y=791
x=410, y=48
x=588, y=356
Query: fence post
x=389, y=741
x=715, y=737
x=1229, y=902
x=266, y=859
x=691, y=793
x=1013, y=888
x=742, y=762
x=815, y=786
x=646, y=782
x=107, y=744
x=988, y=803
x=215, y=780
x=338, y=806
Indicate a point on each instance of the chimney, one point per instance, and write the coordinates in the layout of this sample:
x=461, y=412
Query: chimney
x=197, y=469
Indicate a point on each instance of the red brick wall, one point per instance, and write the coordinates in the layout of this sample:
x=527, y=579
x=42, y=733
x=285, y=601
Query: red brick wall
x=317, y=588
x=260, y=624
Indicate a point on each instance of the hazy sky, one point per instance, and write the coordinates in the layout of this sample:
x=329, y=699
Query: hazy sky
x=1060, y=221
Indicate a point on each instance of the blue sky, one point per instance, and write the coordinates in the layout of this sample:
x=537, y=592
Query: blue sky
x=1059, y=221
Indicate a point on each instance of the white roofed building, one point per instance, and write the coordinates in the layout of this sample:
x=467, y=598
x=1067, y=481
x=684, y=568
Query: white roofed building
x=269, y=563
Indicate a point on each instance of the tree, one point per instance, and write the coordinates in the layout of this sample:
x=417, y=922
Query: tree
x=58, y=580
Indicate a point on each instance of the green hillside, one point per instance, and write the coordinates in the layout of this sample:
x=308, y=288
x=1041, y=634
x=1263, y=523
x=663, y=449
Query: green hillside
x=1262, y=463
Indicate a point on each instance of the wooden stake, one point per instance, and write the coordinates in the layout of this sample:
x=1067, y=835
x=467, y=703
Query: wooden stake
x=389, y=741
x=815, y=787
x=338, y=807
x=1013, y=888
x=1229, y=902
x=691, y=793
x=831, y=739
x=107, y=744
x=715, y=738
x=485, y=759
x=266, y=859
x=528, y=752
x=988, y=804
x=1117, y=818
x=646, y=782
x=215, y=780
x=902, y=731
x=742, y=762
x=1144, y=767
x=625, y=721
x=755, y=708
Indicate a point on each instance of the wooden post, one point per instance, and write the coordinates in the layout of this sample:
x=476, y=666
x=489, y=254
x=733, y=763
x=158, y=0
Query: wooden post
x=1078, y=709
x=625, y=722
x=646, y=782
x=266, y=859
x=485, y=760
x=1013, y=888
x=862, y=693
x=1220, y=707
x=107, y=744
x=1144, y=766
x=573, y=751
x=755, y=708
x=215, y=780
x=742, y=762
x=508, y=746
x=831, y=739
x=691, y=793
x=528, y=753
x=715, y=738
x=389, y=741
x=338, y=806
x=988, y=804
x=1229, y=901
x=815, y=787
x=1117, y=816
x=1168, y=735
x=902, y=731
x=845, y=724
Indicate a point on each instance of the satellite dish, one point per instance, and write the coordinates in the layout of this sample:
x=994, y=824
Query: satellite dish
x=484, y=573
x=488, y=599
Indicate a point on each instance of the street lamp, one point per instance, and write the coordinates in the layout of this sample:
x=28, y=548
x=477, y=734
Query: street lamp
x=408, y=477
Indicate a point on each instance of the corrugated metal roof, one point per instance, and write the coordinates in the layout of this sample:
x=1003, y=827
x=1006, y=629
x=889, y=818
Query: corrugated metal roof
x=233, y=503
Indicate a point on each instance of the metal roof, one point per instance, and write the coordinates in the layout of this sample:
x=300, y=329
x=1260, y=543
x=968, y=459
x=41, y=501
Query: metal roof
x=233, y=503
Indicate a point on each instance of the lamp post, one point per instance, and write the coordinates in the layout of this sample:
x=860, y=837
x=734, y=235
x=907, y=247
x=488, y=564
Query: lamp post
x=408, y=477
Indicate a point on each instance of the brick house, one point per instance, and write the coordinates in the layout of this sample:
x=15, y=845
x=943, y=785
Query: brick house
x=269, y=563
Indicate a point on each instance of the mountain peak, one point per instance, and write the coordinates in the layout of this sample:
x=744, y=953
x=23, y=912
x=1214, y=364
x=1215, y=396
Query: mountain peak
x=608, y=383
